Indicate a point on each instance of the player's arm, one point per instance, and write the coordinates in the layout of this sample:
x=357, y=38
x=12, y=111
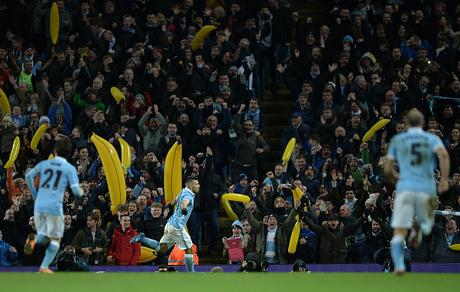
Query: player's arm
x=74, y=182
x=444, y=166
x=30, y=176
x=184, y=205
x=388, y=168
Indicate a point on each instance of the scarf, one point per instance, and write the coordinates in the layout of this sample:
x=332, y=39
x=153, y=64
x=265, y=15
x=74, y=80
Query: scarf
x=254, y=117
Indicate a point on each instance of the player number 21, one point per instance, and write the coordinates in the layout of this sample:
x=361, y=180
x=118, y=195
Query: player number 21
x=49, y=173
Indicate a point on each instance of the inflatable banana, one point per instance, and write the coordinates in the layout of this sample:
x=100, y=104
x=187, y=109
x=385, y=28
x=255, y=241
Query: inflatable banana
x=225, y=202
x=236, y=198
x=4, y=103
x=126, y=157
x=14, y=153
x=117, y=94
x=297, y=194
x=37, y=136
x=455, y=247
x=51, y=156
x=228, y=209
x=201, y=35
x=294, y=238
x=173, y=172
x=54, y=23
x=147, y=255
x=377, y=126
x=113, y=171
x=288, y=150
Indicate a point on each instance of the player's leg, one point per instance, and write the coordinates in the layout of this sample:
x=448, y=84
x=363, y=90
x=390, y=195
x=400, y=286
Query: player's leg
x=187, y=245
x=167, y=241
x=403, y=214
x=42, y=229
x=424, y=211
x=55, y=230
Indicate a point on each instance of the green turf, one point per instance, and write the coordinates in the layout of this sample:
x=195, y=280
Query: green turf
x=235, y=282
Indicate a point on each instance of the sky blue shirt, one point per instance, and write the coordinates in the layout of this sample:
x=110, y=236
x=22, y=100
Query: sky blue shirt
x=414, y=151
x=177, y=219
x=55, y=175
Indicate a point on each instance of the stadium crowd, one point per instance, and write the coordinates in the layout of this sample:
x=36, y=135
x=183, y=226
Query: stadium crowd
x=372, y=59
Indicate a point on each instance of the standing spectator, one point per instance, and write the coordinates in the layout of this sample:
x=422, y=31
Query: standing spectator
x=121, y=251
x=273, y=237
x=332, y=238
x=249, y=145
x=90, y=243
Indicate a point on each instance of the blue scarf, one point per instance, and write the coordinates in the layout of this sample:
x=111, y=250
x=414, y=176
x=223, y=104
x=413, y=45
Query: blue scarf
x=254, y=117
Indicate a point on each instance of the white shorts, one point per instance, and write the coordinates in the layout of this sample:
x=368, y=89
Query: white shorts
x=51, y=226
x=408, y=205
x=173, y=236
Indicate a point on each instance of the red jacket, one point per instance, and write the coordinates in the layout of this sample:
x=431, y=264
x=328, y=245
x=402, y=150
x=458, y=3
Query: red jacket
x=124, y=253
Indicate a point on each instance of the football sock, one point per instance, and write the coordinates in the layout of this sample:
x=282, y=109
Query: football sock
x=152, y=243
x=397, y=252
x=50, y=254
x=189, y=263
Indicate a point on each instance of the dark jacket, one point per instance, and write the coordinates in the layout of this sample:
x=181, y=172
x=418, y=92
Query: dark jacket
x=84, y=238
x=332, y=242
x=441, y=252
x=154, y=227
x=281, y=238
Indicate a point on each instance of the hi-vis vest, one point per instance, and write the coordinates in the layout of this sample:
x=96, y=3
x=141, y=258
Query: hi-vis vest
x=177, y=256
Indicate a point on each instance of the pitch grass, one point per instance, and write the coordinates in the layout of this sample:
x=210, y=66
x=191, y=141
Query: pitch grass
x=221, y=282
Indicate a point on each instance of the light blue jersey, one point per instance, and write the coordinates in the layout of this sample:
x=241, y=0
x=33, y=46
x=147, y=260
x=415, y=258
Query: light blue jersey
x=414, y=151
x=178, y=220
x=55, y=175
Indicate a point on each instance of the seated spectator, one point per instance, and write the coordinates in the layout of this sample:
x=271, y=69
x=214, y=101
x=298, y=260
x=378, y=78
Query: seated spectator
x=443, y=237
x=8, y=254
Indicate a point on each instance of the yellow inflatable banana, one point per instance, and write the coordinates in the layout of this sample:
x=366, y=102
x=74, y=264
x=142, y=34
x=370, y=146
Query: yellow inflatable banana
x=4, y=103
x=236, y=197
x=377, y=126
x=297, y=194
x=14, y=153
x=117, y=94
x=201, y=35
x=113, y=171
x=228, y=209
x=294, y=238
x=288, y=150
x=455, y=247
x=126, y=157
x=51, y=156
x=147, y=255
x=225, y=202
x=173, y=172
x=37, y=136
x=54, y=23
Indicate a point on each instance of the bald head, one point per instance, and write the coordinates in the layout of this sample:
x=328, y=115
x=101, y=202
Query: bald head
x=415, y=118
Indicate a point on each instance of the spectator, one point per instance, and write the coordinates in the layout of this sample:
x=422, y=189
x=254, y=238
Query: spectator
x=8, y=254
x=121, y=251
x=272, y=238
x=90, y=243
x=443, y=237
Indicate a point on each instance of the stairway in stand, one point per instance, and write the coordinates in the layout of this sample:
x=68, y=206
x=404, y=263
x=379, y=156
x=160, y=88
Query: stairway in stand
x=277, y=108
x=278, y=105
